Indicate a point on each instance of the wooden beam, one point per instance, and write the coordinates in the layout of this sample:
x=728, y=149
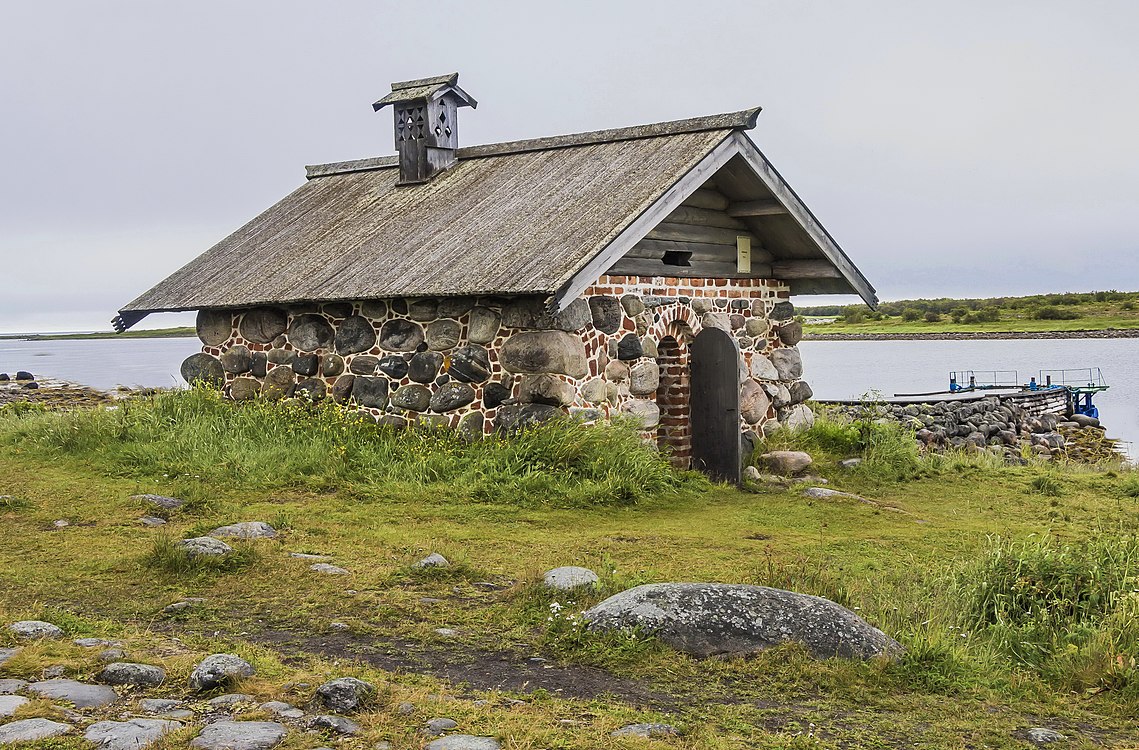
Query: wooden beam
x=699, y=251
x=804, y=269
x=690, y=233
x=698, y=270
x=769, y=207
x=704, y=217
x=707, y=198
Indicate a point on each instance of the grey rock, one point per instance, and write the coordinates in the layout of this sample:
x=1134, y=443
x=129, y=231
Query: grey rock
x=263, y=324
x=716, y=320
x=790, y=333
x=217, y=670
x=214, y=327
x=1083, y=420
x=204, y=368
x=706, y=619
x=182, y=605
x=646, y=412
x=331, y=365
x=544, y=388
x=531, y=312
x=423, y=310
x=337, y=309
x=483, y=325
x=788, y=363
x=472, y=426
x=594, y=391
x=786, y=462
x=452, y=396
x=633, y=305
x=313, y=389
x=443, y=334
x=54, y=671
x=229, y=699
x=800, y=391
x=649, y=347
x=494, y=394
x=111, y=654
x=454, y=307
x=438, y=726
x=364, y=364
x=405, y=708
x=646, y=730
x=345, y=694
x=824, y=493
x=569, y=577
x=245, y=530
x=236, y=359
x=516, y=417
x=411, y=397
x=400, y=335
x=282, y=709
x=311, y=332
x=782, y=311
x=606, y=313
x=31, y=730
x=753, y=402
x=27, y=630
x=204, y=546
x=850, y=463
x=327, y=569
x=369, y=391
x=545, y=351
x=354, y=334
x=136, y=675
x=308, y=556
x=158, y=705
x=392, y=365
x=10, y=703
x=463, y=742
x=795, y=418
x=701, y=305
x=434, y=560
x=240, y=735
x=80, y=694
x=335, y=724
x=132, y=734
x=617, y=371
x=374, y=309
x=644, y=379
x=470, y=364
x=424, y=366
x=244, y=389
x=8, y=687
x=278, y=356
x=160, y=501
x=1043, y=736
x=757, y=327
x=278, y=383
x=762, y=368
x=629, y=347
x=306, y=365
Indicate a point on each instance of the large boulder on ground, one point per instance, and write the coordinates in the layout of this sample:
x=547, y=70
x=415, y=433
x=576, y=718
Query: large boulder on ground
x=463, y=742
x=786, y=462
x=137, y=675
x=706, y=619
x=205, y=546
x=345, y=694
x=219, y=669
x=133, y=734
x=240, y=735
x=31, y=730
x=569, y=577
x=80, y=694
x=245, y=530
x=27, y=630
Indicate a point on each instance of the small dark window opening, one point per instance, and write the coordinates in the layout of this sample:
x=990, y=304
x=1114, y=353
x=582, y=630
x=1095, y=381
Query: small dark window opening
x=677, y=258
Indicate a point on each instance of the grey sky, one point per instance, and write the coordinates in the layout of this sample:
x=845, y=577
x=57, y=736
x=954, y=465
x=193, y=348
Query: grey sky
x=966, y=148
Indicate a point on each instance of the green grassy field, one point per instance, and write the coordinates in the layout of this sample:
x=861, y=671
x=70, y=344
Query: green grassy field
x=1092, y=311
x=1012, y=588
x=152, y=333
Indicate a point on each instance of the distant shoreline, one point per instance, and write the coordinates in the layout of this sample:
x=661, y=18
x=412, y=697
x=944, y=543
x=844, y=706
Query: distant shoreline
x=157, y=333
x=1107, y=333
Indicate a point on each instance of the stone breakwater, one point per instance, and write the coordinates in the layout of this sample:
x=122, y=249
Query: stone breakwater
x=479, y=364
x=1109, y=333
x=1001, y=424
x=53, y=394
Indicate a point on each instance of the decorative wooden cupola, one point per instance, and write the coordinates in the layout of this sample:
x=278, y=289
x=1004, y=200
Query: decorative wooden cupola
x=426, y=124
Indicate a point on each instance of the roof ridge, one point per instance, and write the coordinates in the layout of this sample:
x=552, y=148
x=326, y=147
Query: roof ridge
x=742, y=120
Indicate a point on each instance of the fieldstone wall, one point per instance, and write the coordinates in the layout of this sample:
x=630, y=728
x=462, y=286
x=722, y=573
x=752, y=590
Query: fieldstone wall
x=480, y=364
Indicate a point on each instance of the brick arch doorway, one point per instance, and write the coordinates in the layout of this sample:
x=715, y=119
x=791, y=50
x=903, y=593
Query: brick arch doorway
x=674, y=431
x=714, y=405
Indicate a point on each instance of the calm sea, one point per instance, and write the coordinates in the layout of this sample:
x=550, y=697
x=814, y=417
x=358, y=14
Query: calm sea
x=835, y=369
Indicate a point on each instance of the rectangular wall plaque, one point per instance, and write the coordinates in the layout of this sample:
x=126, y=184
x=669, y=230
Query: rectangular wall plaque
x=743, y=254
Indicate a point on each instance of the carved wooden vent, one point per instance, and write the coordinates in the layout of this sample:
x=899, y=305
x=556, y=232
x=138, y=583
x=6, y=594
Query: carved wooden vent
x=442, y=129
x=410, y=124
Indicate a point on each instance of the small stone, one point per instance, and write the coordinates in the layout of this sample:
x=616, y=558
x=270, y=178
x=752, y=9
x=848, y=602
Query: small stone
x=494, y=394
x=307, y=556
x=311, y=332
x=545, y=351
x=160, y=501
x=405, y=709
x=135, y=675
x=423, y=310
x=370, y=392
x=203, y=368
x=472, y=426
x=133, y=734
x=633, y=305
x=1043, y=736
x=236, y=359
x=217, y=670
x=443, y=334
x=569, y=577
x=483, y=325
x=850, y=463
x=434, y=560
x=436, y=727
x=54, y=671
x=364, y=364
x=452, y=396
x=644, y=379
x=282, y=709
x=782, y=311
x=470, y=364
x=544, y=388
x=754, y=402
x=463, y=742
x=278, y=383
x=260, y=364
x=392, y=365
x=454, y=307
x=204, y=546
x=28, y=630
x=158, y=705
x=326, y=569
x=214, y=327
x=606, y=313
x=182, y=606
x=278, y=356
x=751, y=474
x=79, y=694
x=424, y=366
x=823, y=493
x=594, y=391
x=245, y=530
x=240, y=735
x=788, y=363
x=412, y=398
x=646, y=412
x=31, y=730
x=400, y=335
x=533, y=312
x=345, y=694
x=331, y=365
x=645, y=730
x=263, y=324
x=757, y=327
x=244, y=389
x=336, y=724
x=629, y=347
x=515, y=417
x=446, y=632
x=617, y=371
x=111, y=655
x=61, y=523
x=790, y=333
x=10, y=703
x=8, y=687
x=649, y=347
x=354, y=334
x=229, y=699
x=799, y=392
x=306, y=365
x=762, y=369
x=786, y=462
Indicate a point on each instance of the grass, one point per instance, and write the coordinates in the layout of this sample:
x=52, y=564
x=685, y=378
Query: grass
x=151, y=333
x=980, y=563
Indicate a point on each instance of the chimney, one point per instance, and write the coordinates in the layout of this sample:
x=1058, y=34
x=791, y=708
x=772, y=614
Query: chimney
x=426, y=124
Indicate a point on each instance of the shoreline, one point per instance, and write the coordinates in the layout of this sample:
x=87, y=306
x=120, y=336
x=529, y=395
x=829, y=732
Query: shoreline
x=1104, y=333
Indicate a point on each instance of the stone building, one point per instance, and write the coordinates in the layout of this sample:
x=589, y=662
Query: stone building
x=643, y=271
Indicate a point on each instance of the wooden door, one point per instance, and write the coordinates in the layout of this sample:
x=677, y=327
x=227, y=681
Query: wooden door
x=715, y=393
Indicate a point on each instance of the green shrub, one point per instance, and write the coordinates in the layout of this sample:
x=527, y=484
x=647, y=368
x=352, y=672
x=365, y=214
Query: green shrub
x=166, y=556
x=932, y=317
x=1129, y=485
x=911, y=314
x=1045, y=484
x=1052, y=312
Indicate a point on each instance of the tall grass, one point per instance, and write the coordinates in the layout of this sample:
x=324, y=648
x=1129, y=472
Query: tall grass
x=196, y=437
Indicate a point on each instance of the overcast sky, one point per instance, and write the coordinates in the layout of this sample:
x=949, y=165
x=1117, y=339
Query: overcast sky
x=952, y=149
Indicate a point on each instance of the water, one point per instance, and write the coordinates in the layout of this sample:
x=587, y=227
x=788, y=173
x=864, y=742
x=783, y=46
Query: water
x=101, y=363
x=848, y=369
x=835, y=369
